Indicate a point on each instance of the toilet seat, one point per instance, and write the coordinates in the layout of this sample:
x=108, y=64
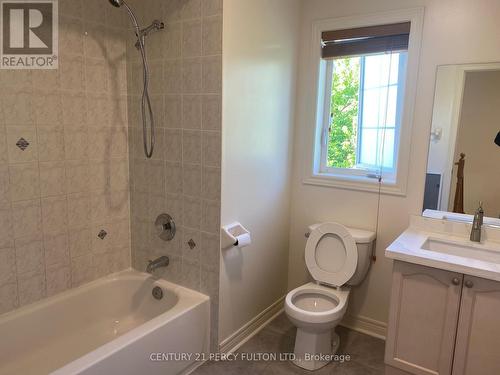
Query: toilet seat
x=301, y=313
x=331, y=254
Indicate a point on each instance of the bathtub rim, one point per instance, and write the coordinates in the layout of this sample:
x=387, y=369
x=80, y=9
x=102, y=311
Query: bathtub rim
x=179, y=290
x=192, y=299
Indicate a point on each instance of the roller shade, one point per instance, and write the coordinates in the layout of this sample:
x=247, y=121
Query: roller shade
x=365, y=40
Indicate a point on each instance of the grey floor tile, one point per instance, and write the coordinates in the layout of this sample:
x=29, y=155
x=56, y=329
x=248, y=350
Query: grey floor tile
x=366, y=354
x=231, y=368
x=267, y=341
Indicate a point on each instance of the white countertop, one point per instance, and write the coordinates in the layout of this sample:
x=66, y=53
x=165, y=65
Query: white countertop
x=409, y=247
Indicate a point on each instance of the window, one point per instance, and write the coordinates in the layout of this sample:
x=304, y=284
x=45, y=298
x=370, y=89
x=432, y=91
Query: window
x=364, y=76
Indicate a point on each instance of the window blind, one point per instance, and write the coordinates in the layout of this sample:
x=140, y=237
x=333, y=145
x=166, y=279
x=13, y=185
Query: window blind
x=365, y=40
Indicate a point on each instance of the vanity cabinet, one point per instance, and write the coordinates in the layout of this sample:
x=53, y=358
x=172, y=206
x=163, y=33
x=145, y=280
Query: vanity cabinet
x=440, y=323
x=477, y=349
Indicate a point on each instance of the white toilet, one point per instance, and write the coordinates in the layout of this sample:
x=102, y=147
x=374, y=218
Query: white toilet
x=336, y=257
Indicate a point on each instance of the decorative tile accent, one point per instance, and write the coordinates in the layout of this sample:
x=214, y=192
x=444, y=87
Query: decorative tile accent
x=191, y=244
x=22, y=144
x=102, y=234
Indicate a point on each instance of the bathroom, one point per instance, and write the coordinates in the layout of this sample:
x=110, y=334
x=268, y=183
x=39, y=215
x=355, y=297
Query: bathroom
x=183, y=190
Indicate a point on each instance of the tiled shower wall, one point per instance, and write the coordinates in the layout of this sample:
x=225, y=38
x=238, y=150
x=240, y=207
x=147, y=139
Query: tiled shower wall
x=64, y=161
x=183, y=177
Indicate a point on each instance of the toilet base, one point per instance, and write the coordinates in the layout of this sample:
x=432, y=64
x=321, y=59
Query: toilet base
x=314, y=350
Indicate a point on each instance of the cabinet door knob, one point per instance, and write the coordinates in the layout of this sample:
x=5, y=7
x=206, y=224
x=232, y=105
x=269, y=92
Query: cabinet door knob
x=455, y=281
x=469, y=284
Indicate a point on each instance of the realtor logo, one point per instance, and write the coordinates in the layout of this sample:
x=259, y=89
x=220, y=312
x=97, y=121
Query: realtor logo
x=28, y=34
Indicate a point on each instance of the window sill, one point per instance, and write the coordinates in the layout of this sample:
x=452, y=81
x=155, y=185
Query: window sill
x=356, y=183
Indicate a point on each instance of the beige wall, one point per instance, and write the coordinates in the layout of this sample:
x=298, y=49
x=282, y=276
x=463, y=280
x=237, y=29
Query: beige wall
x=478, y=127
x=260, y=45
x=183, y=176
x=452, y=29
x=71, y=182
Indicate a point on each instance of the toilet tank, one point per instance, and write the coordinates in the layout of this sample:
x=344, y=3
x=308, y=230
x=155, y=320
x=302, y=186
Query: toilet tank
x=364, y=241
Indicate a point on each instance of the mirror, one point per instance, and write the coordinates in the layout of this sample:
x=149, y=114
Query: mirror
x=463, y=168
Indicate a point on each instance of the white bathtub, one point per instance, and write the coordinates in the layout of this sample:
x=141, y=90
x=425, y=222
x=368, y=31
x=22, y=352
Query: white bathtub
x=110, y=326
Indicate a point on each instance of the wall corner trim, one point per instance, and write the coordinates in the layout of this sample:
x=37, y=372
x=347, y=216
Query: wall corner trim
x=250, y=329
x=368, y=326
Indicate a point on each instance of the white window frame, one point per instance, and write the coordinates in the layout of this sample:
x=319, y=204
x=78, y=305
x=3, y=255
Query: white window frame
x=350, y=178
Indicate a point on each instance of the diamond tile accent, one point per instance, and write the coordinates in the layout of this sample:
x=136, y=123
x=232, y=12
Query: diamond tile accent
x=22, y=144
x=191, y=244
x=102, y=234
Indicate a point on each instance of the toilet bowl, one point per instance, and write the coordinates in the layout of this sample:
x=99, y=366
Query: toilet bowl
x=335, y=256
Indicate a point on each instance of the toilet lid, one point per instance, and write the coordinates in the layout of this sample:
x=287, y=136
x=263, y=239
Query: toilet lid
x=331, y=254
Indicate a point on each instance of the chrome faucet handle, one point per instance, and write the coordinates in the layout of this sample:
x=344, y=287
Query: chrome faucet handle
x=480, y=212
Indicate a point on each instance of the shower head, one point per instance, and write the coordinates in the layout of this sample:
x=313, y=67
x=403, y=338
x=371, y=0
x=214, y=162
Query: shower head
x=116, y=3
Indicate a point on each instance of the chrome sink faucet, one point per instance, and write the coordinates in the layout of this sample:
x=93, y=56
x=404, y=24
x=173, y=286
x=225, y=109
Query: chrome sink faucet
x=162, y=261
x=477, y=223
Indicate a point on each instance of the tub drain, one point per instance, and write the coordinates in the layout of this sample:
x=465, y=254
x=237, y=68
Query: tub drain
x=157, y=292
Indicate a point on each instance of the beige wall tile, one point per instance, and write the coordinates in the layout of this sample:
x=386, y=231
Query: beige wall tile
x=191, y=9
x=78, y=209
x=24, y=181
x=211, y=149
x=4, y=187
x=50, y=143
x=211, y=183
x=75, y=120
x=79, y=242
x=172, y=41
x=210, y=216
x=29, y=256
x=212, y=75
x=31, y=288
x=212, y=35
x=211, y=7
x=74, y=109
x=27, y=218
x=76, y=142
x=72, y=73
x=191, y=38
x=191, y=180
x=58, y=279
x=48, y=109
x=54, y=215
x=191, y=75
x=6, y=228
x=191, y=111
x=82, y=270
x=52, y=179
x=211, y=112
x=191, y=146
x=77, y=176
x=173, y=111
x=18, y=108
x=7, y=266
x=56, y=249
x=8, y=297
x=192, y=212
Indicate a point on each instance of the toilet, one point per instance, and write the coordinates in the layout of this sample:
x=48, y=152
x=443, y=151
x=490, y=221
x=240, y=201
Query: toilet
x=336, y=257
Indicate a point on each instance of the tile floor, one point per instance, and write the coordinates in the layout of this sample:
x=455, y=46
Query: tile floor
x=366, y=353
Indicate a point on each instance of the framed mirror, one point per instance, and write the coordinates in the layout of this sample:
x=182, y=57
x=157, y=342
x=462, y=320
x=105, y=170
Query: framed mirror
x=463, y=168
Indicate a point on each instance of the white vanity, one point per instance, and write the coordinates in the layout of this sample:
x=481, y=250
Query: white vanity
x=445, y=300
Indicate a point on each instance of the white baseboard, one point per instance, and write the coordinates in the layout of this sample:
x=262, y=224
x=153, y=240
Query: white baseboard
x=249, y=330
x=365, y=325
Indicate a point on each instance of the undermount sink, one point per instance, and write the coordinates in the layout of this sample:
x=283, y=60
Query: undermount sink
x=461, y=250
x=445, y=245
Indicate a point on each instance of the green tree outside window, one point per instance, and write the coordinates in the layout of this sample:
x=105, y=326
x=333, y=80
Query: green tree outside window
x=344, y=113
